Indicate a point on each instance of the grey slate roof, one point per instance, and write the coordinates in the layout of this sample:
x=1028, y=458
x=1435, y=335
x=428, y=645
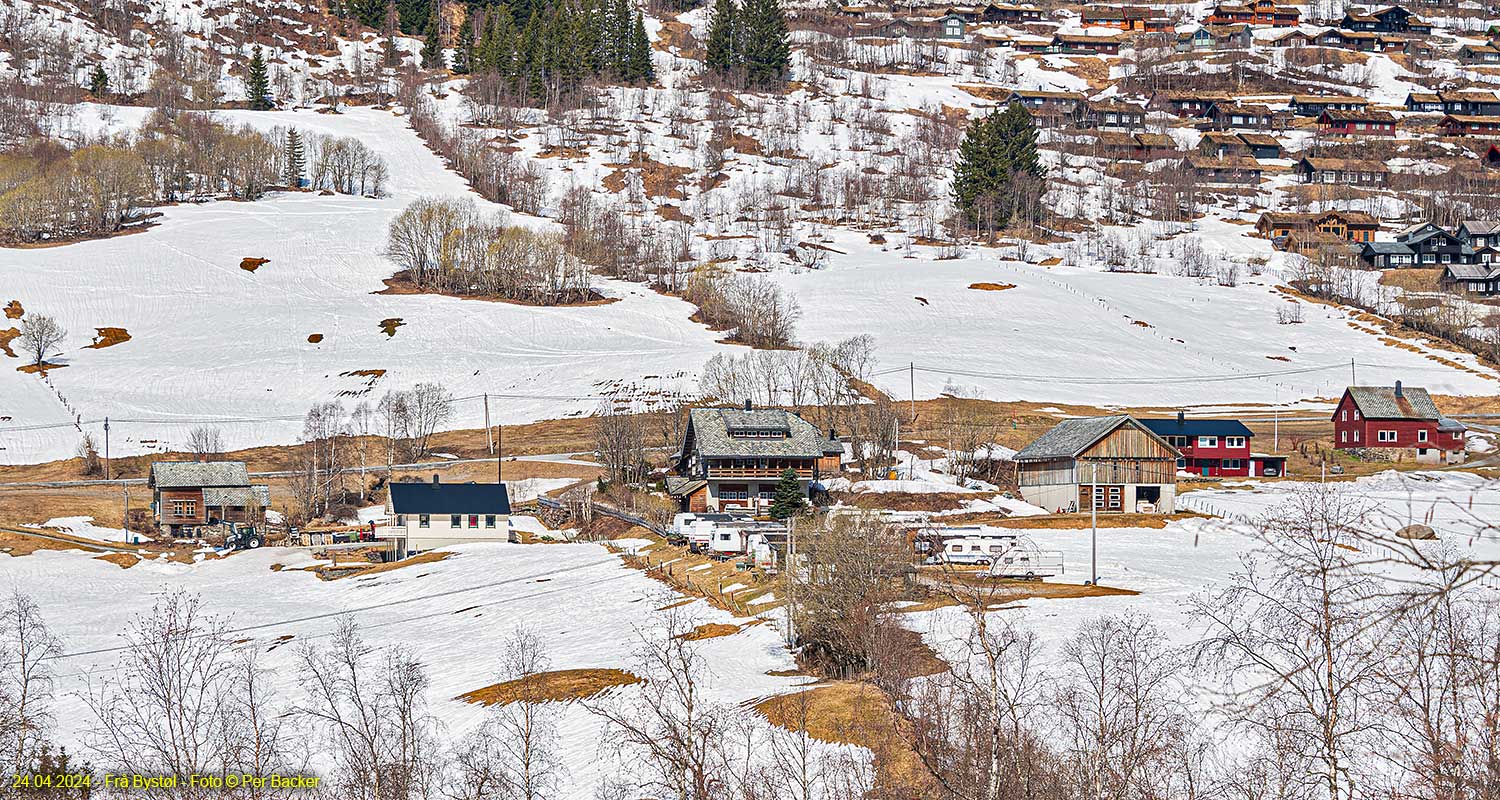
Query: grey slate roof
x=1387, y=248
x=711, y=437
x=1381, y=402
x=195, y=474
x=1450, y=425
x=679, y=486
x=237, y=496
x=1481, y=226
x=1070, y=437
x=1472, y=271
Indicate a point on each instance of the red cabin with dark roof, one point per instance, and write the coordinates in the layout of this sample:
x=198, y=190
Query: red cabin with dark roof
x=1398, y=418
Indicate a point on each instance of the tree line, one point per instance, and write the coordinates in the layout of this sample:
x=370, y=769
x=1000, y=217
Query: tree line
x=49, y=191
x=543, y=51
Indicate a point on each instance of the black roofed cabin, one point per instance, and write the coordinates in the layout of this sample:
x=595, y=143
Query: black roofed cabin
x=433, y=514
x=731, y=458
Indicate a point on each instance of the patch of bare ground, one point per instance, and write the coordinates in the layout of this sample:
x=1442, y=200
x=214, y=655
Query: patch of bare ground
x=710, y=630
x=402, y=284
x=698, y=575
x=857, y=713
x=314, y=338
x=14, y=310
x=992, y=287
x=253, y=264
x=121, y=560
x=8, y=335
x=356, y=570
x=1412, y=280
x=903, y=501
x=576, y=153
x=559, y=686
x=32, y=369
x=657, y=179
x=145, y=223
x=108, y=337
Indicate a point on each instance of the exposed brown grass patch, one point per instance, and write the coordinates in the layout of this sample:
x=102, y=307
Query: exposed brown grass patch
x=32, y=369
x=6, y=337
x=389, y=326
x=108, y=337
x=658, y=179
x=354, y=570
x=559, y=686
x=253, y=264
x=1412, y=280
x=1049, y=262
x=401, y=283
x=13, y=310
x=314, y=338
x=710, y=630
x=857, y=713
x=992, y=287
x=121, y=560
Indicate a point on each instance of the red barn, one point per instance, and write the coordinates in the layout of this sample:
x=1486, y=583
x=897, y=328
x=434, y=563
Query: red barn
x=1397, y=418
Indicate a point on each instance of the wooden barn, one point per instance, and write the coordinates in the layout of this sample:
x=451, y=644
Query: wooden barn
x=1116, y=461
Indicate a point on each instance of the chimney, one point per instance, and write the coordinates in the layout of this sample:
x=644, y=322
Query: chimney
x=833, y=435
x=1398, y=389
x=1181, y=417
x=434, y=479
x=747, y=404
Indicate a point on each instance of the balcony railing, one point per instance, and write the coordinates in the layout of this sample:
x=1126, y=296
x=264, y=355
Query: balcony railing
x=756, y=472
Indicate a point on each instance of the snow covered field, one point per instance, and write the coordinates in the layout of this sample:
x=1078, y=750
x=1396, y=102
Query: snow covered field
x=213, y=343
x=210, y=340
x=454, y=615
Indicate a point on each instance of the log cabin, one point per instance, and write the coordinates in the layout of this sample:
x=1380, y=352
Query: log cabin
x=187, y=495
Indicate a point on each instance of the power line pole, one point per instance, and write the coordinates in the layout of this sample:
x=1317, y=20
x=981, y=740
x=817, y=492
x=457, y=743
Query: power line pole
x=1352, y=380
x=912, y=372
x=489, y=438
x=106, y=449
x=791, y=578
x=1094, y=522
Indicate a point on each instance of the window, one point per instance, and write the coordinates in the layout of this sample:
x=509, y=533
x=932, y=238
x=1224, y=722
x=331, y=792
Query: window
x=1385, y=436
x=1343, y=437
x=184, y=508
x=473, y=520
x=1356, y=437
x=1234, y=441
x=489, y=520
x=1422, y=435
x=1208, y=441
x=1344, y=415
x=424, y=521
x=995, y=548
x=455, y=521
x=400, y=520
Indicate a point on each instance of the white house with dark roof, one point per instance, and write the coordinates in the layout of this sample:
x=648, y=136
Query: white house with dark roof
x=731, y=458
x=1116, y=461
x=189, y=494
x=425, y=515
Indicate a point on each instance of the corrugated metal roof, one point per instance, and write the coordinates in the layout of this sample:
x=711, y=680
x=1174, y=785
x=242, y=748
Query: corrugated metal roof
x=195, y=474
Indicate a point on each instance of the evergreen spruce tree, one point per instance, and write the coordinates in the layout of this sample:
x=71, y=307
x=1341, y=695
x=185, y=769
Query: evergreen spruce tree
x=295, y=160
x=639, y=69
x=432, y=46
x=98, y=82
x=787, y=500
x=995, y=150
x=415, y=15
x=616, y=34
x=370, y=13
x=463, y=49
x=764, y=50
x=258, y=83
x=723, y=54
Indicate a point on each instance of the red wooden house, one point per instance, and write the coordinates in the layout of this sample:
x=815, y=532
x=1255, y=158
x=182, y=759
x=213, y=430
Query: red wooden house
x=1215, y=448
x=1397, y=418
x=1356, y=123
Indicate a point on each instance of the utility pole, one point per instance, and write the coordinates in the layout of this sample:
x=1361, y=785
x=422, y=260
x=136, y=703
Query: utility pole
x=1352, y=380
x=489, y=436
x=106, y=449
x=1094, y=522
x=912, y=374
x=1276, y=423
x=500, y=453
x=791, y=578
